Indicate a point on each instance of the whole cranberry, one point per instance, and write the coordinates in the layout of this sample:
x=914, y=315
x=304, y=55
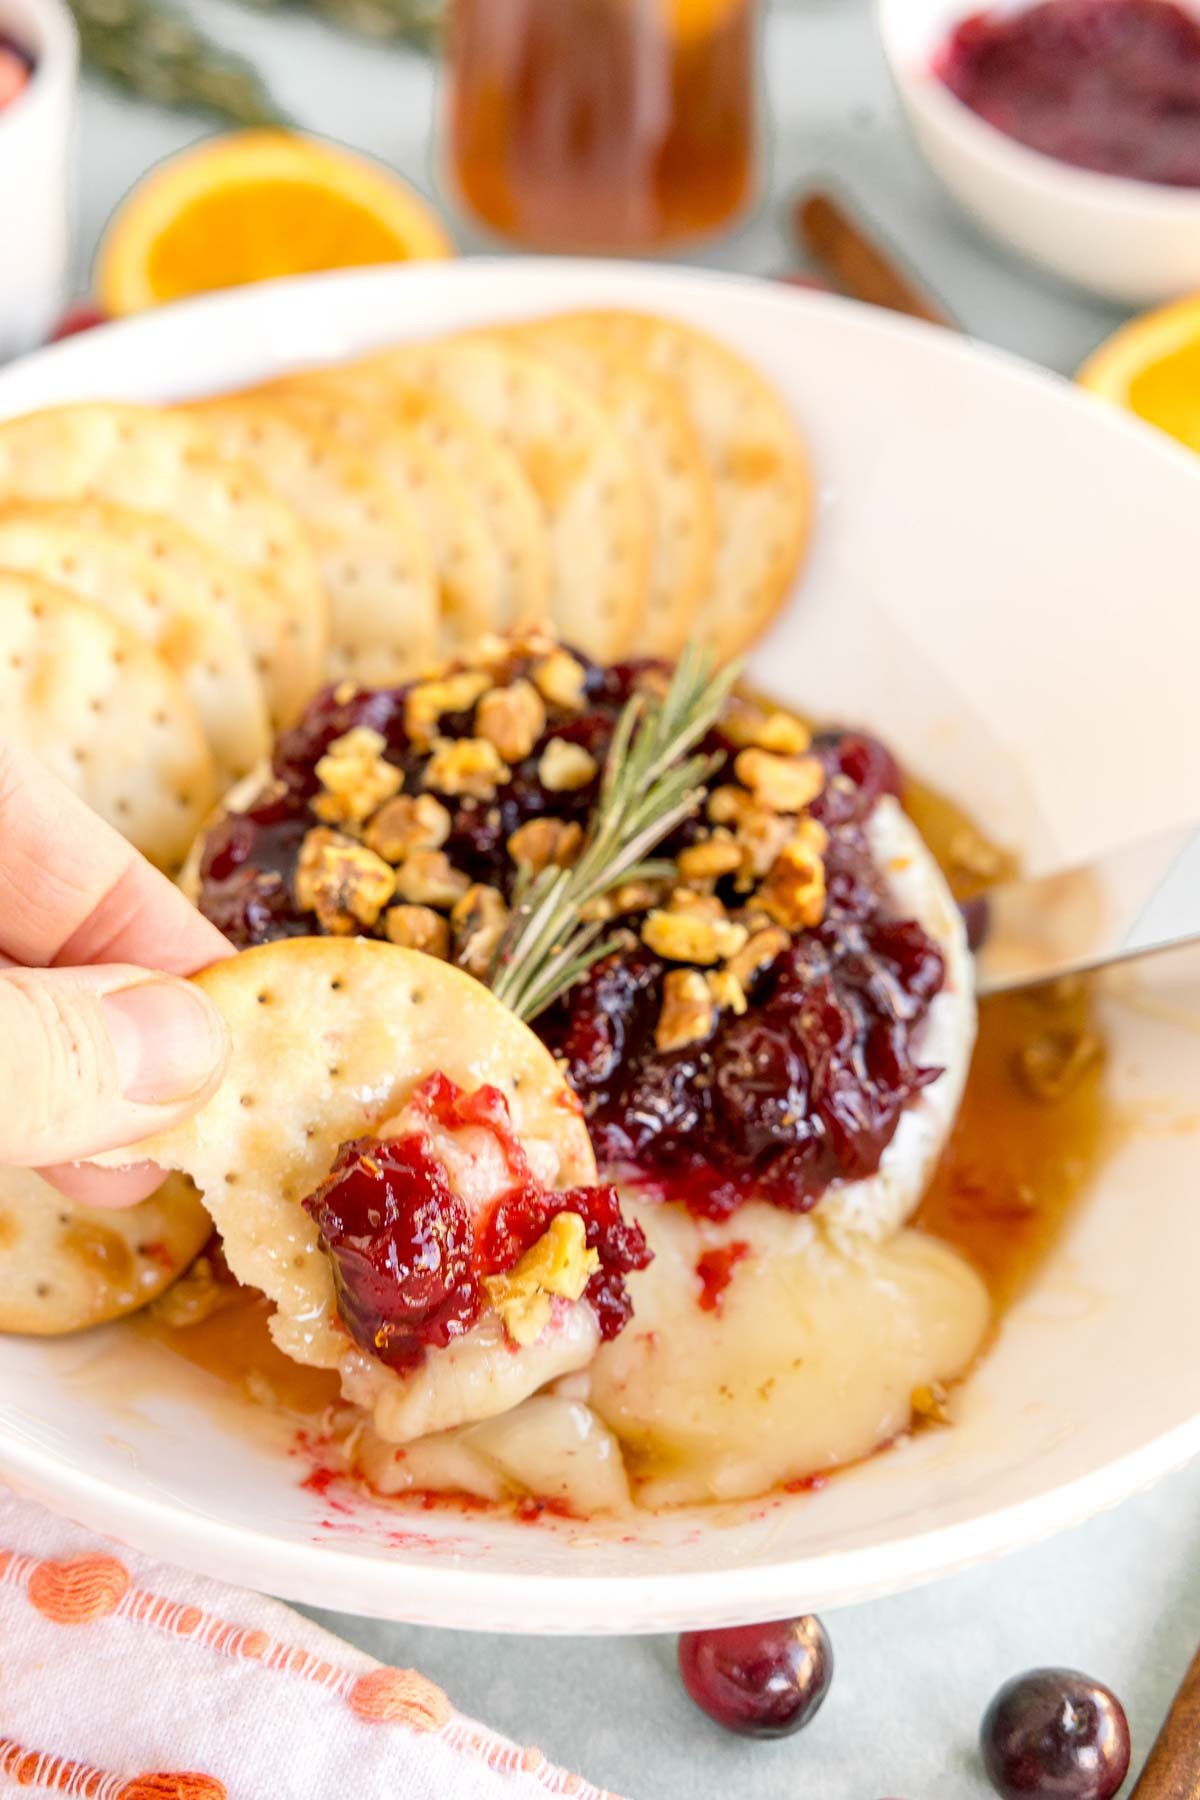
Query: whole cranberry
x=763, y=1681
x=1055, y=1733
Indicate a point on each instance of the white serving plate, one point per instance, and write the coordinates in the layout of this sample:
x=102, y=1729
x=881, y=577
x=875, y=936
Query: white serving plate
x=1003, y=584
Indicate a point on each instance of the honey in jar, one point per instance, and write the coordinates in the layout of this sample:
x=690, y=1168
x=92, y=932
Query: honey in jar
x=610, y=125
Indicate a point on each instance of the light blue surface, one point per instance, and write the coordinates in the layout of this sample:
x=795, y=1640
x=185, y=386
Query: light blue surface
x=1120, y=1597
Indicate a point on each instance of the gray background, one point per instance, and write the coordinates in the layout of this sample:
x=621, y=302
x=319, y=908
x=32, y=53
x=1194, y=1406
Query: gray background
x=1119, y=1597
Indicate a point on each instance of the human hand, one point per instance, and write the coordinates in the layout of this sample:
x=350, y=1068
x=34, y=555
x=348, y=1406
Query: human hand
x=101, y=1042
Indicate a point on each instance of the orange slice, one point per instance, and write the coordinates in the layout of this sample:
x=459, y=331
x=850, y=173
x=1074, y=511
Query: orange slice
x=253, y=205
x=1152, y=367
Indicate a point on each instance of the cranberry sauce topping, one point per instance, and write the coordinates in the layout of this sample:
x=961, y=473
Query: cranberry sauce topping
x=1110, y=85
x=409, y=1260
x=803, y=1088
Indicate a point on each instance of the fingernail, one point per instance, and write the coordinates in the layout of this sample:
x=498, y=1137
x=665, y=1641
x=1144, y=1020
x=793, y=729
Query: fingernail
x=169, y=1040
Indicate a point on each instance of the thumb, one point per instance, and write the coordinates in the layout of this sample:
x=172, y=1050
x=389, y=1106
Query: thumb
x=92, y=1059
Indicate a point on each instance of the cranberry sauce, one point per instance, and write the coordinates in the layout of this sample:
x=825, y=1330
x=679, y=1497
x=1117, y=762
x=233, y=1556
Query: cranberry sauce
x=1110, y=85
x=408, y=1259
x=805, y=1088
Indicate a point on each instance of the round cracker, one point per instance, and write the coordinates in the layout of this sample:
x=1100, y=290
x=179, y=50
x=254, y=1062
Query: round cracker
x=493, y=478
x=64, y=1267
x=592, y=497
x=762, y=489
x=104, y=712
x=653, y=422
x=330, y=1037
x=372, y=553
x=466, y=560
x=97, y=561
x=164, y=462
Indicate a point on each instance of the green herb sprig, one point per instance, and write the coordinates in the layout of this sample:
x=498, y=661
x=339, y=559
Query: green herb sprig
x=650, y=785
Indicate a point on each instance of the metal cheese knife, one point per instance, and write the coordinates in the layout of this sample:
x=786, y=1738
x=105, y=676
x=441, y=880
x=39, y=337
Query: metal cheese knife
x=1128, y=902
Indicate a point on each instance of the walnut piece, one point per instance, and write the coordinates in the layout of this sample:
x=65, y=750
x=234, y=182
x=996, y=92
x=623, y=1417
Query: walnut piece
x=466, y=766
x=418, y=928
x=478, y=921
x=781, y=783
x=407, y=823
x=354, y=778
x=748, y=725
x=689, y=1011
x=727, y=990
x=628, y=897
x=756, y=954
x=342, y=882
x=426, y=703
x=428, y=878
x=559, y=679
x=709, y=859
x=563, y=767
x=512, y=718
x=541, y=843
x=559, y=1263
x=793, y=893
x=688, y=937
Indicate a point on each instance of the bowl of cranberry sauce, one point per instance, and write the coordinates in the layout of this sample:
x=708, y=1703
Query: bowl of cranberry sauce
x=38, y=78
x=745, y=1035
x=1069, y=129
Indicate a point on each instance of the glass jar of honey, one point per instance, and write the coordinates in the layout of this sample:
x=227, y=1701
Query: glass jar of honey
x=607, y=125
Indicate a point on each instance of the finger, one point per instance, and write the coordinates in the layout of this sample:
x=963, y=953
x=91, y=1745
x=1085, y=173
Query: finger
x=72, y=891
x=90, y=1186
x=100, y=1058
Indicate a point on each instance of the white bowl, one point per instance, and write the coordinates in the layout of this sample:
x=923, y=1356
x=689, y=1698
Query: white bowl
x=1003, y=583
x=36, y=142
x=1135, y=242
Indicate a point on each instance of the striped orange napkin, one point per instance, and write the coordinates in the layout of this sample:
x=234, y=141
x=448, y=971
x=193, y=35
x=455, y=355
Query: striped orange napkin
x=124, y=1679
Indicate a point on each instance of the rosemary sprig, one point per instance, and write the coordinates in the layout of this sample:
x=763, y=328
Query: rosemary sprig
x=650, y=785
x=154, y=52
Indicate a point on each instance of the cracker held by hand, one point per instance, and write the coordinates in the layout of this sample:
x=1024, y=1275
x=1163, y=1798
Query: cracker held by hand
x=340, y=1041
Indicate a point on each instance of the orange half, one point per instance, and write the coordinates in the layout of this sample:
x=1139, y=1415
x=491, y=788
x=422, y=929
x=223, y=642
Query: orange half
x=1152, y=368
x=253, y=205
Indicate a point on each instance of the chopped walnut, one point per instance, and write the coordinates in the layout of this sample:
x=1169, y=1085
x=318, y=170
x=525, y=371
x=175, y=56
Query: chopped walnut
x=750, y=726
x=695, y=906
x=782, y=783
x=466, y=766
x=418, y=928
x=340, y=881
x=1051, y=1067
x=793, y=893
x=728, y=805
x=428, y=878
x=756, y=954
x=727, y=991
x=426, y=703
x=563, y=767
x=354, y=778
x=761, y=836
x=512, y=718
x=628, y=897
x=709, y=859
x=559, y=679
x=542, y=843
x=689, y=937
x=558, y=1263
x=930, y=1403
x=478, y=920
x=407, y=823
x=688, y=1013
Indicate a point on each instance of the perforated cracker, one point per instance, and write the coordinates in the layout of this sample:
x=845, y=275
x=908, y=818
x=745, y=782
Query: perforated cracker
x=102, y=710
x=763, y=493
x=494, y=481
x=330, y=1036
x=593, y=499
x=654, y=425
x=97, y=560
x=371, y=549
x=165, y=462
x=64, y=1266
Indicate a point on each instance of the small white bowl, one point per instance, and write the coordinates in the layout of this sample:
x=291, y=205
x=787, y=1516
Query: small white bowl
x=1135, y=242
x=35, y=173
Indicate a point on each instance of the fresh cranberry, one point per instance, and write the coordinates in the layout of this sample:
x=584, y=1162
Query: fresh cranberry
x=401, y=1245
x=763, y=1681
x=1056, y=1734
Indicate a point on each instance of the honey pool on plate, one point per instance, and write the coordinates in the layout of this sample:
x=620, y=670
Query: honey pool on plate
x=1032, y=1129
